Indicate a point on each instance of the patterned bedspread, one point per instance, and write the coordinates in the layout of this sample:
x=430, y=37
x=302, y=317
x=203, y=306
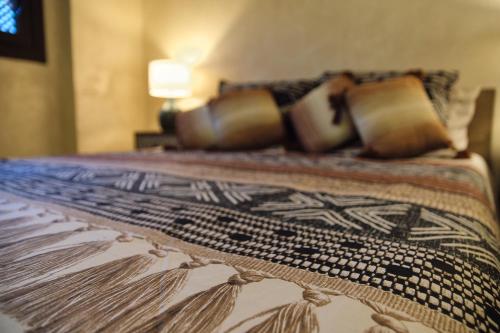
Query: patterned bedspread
x=247, y=242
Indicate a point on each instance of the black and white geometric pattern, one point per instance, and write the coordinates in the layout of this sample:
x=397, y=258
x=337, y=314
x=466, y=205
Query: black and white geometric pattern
x=439, y=259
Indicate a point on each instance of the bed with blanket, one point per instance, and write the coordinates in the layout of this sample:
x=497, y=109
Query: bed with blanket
x=256, y=241
x=230, y=242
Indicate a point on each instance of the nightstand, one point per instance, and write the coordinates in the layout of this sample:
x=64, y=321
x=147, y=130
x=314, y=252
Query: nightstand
x=155, y=139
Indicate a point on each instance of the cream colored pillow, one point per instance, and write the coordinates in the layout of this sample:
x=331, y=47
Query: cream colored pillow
x=194, y=129
x=395, y=118
x=246, y=119
x=460, y=112
x=319, y=126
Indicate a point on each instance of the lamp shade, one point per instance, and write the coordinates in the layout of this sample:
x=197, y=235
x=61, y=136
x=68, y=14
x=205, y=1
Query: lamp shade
x=169, y=79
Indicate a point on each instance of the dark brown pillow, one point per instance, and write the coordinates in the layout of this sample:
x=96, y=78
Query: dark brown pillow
x=395, y=118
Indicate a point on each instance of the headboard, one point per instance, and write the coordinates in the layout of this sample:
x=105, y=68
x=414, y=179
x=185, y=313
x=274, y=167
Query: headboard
x=481, y=126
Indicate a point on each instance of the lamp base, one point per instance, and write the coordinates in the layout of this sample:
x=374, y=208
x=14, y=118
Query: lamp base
x=167, y=120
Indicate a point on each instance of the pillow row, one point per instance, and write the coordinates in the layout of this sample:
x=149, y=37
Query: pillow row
x=454, y=106
x=437, y=84
x=394, y=114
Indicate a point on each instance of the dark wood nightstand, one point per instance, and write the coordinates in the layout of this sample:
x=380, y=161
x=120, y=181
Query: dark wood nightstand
x=155, y=139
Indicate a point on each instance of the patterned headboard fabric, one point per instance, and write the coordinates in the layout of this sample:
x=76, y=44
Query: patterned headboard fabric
x=481, y=126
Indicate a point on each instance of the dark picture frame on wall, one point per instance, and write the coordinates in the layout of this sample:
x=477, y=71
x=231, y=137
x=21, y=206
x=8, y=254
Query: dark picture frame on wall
x=27, y=39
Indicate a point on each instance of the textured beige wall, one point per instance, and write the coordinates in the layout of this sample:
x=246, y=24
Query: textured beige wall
x=109, y=73
x=269, y=39
x=36, y=99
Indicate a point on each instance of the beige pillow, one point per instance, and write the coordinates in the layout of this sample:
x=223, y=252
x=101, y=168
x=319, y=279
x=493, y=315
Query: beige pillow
x=460, y=112
x=319, y=126
x=246, y=119
x=194, y=129
x=395, y=118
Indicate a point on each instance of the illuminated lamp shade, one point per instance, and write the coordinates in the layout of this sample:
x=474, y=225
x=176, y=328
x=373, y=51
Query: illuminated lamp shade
x=169, y=79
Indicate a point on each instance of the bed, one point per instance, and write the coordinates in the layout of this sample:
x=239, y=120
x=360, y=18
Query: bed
x=260, y=241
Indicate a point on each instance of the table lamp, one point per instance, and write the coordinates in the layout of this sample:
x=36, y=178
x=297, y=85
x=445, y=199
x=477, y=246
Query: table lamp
x=171, y=80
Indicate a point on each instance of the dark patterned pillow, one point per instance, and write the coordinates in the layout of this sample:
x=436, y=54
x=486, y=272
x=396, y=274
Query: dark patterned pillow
x=437, y=84
x=284, y=92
